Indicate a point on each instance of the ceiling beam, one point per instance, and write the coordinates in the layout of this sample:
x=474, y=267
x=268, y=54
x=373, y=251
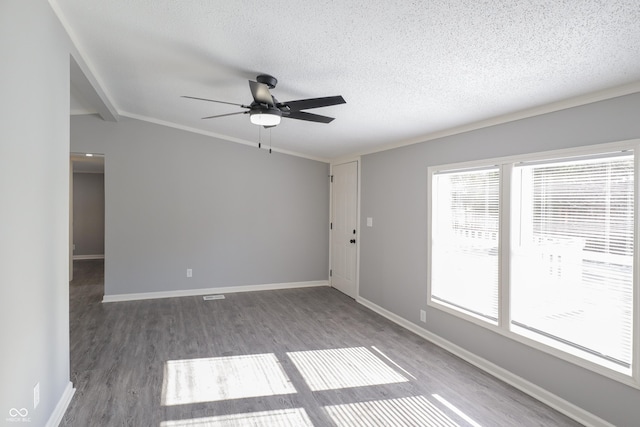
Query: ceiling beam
x=84, y=82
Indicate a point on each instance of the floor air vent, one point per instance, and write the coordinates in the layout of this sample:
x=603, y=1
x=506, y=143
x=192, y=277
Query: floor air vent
x=212, y=297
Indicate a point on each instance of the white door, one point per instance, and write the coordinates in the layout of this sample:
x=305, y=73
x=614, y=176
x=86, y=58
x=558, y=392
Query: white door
x=344, y=218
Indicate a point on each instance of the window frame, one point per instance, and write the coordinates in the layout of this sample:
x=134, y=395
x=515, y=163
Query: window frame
x=507, y=200
x=450, y=306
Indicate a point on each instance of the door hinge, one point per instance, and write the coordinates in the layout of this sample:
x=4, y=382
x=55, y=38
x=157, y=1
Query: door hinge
x=330, y=273
x=331, y=176
x=330, y=226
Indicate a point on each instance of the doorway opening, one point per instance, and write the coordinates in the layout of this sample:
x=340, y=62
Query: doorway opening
x=87, y=213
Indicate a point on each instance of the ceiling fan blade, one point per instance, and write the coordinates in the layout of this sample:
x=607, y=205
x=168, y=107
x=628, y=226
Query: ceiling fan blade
x=310, y=117
x=260, y=92
x=305, y=104
x=213, y=100
x=223, y=115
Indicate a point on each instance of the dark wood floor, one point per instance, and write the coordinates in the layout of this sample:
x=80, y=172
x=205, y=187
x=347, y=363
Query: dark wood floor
x=302, y=357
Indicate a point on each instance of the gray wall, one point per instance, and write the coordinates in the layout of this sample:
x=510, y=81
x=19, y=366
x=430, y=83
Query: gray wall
x=88, y=213
x=34, y=208
x=393, y=260
x=235, y=214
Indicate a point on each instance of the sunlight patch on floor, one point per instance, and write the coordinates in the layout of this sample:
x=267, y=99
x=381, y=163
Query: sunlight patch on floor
x=342, y=368
x=221, y=378
x=392, y=362
x=295, y=417
x=455, y=410
x=407, y=411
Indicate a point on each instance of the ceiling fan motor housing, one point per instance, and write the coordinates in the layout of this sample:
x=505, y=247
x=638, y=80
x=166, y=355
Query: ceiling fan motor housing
x=264, y=109
x=268, y=80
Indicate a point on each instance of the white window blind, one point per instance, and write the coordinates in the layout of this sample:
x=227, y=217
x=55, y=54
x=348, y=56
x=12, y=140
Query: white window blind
x=465, y=223
x=572, y=254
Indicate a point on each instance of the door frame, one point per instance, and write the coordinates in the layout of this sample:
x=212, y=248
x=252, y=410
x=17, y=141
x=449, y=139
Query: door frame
x=334, y=163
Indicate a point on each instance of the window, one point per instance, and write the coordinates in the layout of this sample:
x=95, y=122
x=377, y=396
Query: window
x=572, y=261
x=561, y=278
x=465, y=241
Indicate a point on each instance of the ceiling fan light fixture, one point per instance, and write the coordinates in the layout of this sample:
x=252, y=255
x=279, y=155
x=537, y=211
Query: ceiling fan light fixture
x=271, y=117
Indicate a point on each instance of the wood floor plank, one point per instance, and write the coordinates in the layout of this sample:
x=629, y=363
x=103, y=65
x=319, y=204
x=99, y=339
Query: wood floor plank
x=122, y=355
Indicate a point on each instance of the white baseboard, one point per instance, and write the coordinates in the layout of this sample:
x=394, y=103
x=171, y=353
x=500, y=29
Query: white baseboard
x=61, y=407
x=208, y=291
x=82, y=257
x=567, y=408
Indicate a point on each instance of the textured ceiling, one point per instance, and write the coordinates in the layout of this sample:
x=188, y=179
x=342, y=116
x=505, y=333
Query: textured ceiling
x=407, y=69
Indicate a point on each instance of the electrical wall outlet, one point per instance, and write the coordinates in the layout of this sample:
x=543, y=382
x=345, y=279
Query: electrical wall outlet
x=189, y=272
x=423, y=316
x=36, y=396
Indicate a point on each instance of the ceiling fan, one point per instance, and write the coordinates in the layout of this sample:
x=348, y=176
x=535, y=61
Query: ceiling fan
x=267, y=111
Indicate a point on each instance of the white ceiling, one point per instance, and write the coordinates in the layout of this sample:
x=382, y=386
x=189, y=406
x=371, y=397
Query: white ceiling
x=407, y=68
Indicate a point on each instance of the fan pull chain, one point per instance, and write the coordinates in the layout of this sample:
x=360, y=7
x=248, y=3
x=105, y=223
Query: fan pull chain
x=269, y=140
x=259, y=136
